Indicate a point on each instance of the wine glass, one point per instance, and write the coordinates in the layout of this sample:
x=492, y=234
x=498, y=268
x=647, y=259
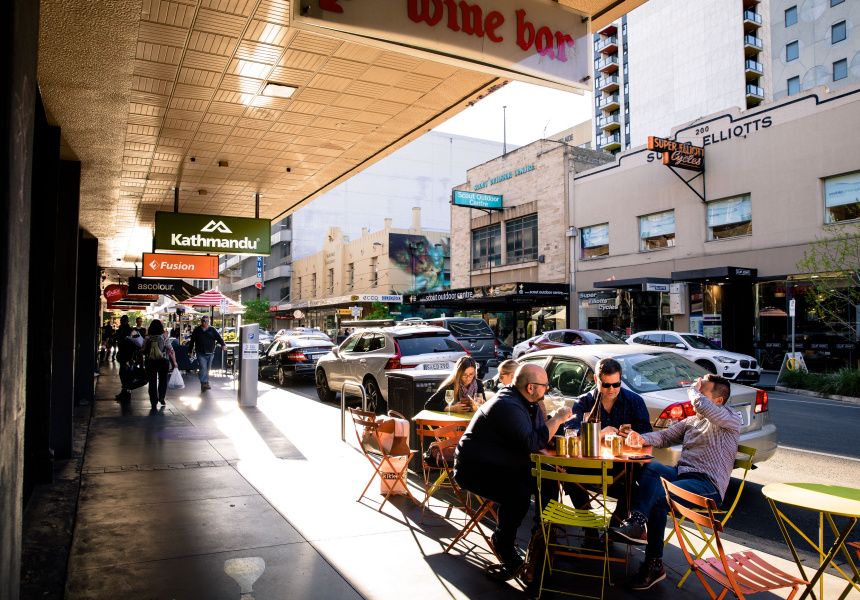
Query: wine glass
x=449, y=398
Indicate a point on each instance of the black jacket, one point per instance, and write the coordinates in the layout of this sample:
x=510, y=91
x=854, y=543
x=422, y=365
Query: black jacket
x=437, y=400
x=204, y=341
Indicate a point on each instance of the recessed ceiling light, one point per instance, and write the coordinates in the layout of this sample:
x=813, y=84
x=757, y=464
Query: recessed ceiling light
x=278, y=90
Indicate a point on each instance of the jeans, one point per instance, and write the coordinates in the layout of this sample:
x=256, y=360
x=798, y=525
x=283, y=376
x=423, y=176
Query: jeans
x=618, y=489
x=651, y=499
x=205, y=362
x=156, y=373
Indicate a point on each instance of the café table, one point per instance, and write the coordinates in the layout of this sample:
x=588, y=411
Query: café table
x=827, y=501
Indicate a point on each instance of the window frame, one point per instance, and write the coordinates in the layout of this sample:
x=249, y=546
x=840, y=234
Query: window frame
x=711, y=237
x=642, y=240
x=516, y=232
x=844, y=62
x=796, y=46
x=496, y=259
x=795, y=79
x=793, y=11
x=583, y=247
x=833, y=27
x=852, y=207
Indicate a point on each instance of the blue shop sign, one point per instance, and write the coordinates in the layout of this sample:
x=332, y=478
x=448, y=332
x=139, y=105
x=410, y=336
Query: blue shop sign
x=475, y=200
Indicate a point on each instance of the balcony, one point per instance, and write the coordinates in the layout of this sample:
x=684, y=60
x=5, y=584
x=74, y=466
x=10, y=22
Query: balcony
x=610, y=29
x=751, y=3
x=609, y=142
x=752, y=20
x=754, y=92
x=753, y=69
x=608, y=64
x=277, y=272
x=229, y=263
x=608, y=45
x=609, y=122
x=284, y=235
x=609, y=83
x=751, y=44
x=609, y=103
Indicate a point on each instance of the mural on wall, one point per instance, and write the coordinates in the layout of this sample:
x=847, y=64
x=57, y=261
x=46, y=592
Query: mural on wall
x=421, y=260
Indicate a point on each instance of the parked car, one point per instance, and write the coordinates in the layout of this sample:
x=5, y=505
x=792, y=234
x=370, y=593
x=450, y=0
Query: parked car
x=475, y=336
x=523, y=347
x=572, y=337
x=367, y=355
x=703, y=352
x=294, y=356
x=661, y=377
x=503, y=351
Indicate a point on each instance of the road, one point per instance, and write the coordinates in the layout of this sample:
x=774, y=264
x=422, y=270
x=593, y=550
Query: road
x=818, y=442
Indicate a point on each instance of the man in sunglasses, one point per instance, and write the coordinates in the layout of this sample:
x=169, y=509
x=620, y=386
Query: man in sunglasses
x=203, y=340
x=618, y=407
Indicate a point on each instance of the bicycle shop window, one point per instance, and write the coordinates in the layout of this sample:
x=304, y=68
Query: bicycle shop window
x=487, y=246
x=842, y=198
x=522, y=239
x=729, y=218
x=657, y=231
x=595, y=241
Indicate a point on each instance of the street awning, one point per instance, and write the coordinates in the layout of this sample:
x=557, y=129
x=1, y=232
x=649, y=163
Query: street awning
x=645, y=284
x=717, y=274
x=504, y=296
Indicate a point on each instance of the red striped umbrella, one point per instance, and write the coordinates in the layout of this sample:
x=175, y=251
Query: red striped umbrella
x=213, y=298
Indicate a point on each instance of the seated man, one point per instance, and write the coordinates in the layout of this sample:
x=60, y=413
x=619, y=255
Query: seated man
x=617, y=407
x=710, y=441
x=493, y=457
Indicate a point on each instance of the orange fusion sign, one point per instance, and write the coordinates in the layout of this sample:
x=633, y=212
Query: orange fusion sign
x=180, y=266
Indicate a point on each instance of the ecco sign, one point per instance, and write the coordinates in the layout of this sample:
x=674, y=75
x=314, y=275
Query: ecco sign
x=180, y=265
x=212, y=234
x=166, y=287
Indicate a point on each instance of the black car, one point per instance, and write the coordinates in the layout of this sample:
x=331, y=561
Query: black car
x=293, y=356
x=475, y=336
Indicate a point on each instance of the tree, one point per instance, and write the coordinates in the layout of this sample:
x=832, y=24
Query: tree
x=378, y=310
x=257, y=311
x=833, y=265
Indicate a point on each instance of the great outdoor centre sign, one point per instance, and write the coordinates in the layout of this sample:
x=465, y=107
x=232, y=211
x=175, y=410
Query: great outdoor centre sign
x=538, y=42
x=212, y=234
x=476, y=200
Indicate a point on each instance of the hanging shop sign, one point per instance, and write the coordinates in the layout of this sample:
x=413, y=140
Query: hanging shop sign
x=115, y=292
x=476, y=200
x=165, y=287
x=677, y=154
x=543, y=43
x=180, y=265
x=212, y=234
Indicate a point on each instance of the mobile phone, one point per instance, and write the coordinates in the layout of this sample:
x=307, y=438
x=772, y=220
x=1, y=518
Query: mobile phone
x=639, y=457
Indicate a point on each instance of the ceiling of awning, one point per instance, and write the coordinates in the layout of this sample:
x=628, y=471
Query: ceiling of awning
x=157, y=94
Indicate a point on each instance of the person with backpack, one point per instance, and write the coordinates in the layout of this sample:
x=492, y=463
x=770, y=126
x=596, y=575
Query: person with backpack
x=156, y=352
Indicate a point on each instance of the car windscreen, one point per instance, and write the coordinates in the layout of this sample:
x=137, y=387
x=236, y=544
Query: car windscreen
x=427, y=343
x=651, y=372
x=310, y=341
x=476, y=328
x=600, y=337
x=700, y=342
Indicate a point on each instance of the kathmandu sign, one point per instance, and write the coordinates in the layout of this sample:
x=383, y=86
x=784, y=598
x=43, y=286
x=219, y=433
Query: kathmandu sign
x=212, y=234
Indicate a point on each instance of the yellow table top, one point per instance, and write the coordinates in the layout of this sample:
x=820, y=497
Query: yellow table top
x=818, y=497
x=433, y=415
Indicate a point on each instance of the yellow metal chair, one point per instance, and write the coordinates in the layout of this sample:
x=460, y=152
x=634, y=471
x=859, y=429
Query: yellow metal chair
x=744, y=463
x=589, y=472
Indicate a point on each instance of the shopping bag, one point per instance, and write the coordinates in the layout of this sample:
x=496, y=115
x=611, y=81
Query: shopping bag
x=175, y=382
x=394, y=435
x=132, y=376
x=388, y=477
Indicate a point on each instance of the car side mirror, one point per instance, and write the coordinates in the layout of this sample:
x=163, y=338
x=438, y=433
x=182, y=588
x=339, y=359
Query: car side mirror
x=531, y=344
x=335, y=351
x=680, y=346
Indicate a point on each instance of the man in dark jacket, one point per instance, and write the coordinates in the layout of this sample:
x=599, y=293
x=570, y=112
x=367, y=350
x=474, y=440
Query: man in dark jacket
x=203, y=341
x=493, y=458
x=126, y=354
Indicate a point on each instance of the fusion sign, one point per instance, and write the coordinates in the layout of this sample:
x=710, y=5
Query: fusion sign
x=208, y=234
x=180, y=265
x=547, y=44
x=476, y=200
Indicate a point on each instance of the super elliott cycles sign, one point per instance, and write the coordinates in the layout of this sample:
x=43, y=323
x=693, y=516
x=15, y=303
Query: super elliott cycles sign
x=212, y=234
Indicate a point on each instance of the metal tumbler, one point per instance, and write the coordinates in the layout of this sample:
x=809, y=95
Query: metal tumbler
x=590, y=439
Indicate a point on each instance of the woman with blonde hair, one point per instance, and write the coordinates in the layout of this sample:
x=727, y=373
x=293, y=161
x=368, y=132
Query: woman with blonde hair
x=506, y=371
x=464, y=383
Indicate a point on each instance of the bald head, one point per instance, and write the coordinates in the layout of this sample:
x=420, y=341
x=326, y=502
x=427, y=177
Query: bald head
x=531, y=380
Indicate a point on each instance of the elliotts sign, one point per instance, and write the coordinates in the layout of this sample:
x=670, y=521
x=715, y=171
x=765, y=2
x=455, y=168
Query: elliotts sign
x=180, y=265
x=212, y=234
x=536, y=42
x=676, y=154
x=115, y=292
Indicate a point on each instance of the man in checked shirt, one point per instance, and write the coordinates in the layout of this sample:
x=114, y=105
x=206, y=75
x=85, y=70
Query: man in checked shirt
x=710, y=443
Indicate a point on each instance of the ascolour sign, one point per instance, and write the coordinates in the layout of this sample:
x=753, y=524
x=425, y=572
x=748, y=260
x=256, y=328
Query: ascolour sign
x=168, y=287
x=212, y=234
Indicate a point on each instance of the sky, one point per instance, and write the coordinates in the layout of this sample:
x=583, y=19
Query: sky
x=532, y=113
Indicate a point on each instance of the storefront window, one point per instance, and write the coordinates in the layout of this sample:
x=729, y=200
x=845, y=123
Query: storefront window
x=842, y=198
x=657, y=231
x=522, y=239
x=595, y=241
x=487, y=246
x=729, y=218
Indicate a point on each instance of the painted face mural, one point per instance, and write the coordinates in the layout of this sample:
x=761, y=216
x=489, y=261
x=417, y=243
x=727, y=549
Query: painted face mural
x=423, y=261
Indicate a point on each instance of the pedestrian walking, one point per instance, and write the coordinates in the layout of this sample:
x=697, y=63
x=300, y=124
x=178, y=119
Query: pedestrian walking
x=203, y=341
x=158, y=354
x=126, y=354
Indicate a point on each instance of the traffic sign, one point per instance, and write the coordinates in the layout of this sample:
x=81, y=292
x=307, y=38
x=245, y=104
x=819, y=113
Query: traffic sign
x=791, y=304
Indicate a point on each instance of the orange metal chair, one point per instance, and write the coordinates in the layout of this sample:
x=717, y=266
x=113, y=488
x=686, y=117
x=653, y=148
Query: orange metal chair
x=367, y=432
x=742, y=573
x=440, y=439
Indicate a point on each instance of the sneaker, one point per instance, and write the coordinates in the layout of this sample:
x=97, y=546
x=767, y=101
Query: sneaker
x=208, y=387
x=630, y=532
x=647, y=576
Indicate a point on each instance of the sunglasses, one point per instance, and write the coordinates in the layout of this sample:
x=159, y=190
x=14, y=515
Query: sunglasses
x=605, y=385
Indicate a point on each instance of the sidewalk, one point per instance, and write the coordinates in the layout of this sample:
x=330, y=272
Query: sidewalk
x=204, y=499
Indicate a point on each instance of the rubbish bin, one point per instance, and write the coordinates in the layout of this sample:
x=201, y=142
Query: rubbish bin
x=409, y=390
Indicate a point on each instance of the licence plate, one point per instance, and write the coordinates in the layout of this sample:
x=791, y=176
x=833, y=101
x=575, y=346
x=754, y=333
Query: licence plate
x=744, y=411
x=441, y=366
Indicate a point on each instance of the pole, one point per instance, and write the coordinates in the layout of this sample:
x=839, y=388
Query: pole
x=490, y=258
x=256, y=206
x=176, y=199
x=504, y=130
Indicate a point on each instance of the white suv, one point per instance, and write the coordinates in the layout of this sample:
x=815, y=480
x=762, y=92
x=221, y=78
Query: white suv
x=367, y=355
x=703, y=352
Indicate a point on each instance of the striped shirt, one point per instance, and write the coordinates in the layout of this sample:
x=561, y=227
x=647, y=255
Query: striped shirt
x=710, y=440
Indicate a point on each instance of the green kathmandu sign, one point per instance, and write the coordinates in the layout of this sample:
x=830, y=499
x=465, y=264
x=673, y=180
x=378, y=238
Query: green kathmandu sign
x=212, y=234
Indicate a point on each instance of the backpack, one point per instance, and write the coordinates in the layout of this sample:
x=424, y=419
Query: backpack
x=155, y=349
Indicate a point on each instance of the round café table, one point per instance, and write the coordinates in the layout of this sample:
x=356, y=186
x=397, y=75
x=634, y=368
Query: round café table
x=827, y=500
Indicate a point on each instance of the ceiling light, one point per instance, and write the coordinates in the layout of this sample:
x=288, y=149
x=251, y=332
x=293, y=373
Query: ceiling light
x=278, y=90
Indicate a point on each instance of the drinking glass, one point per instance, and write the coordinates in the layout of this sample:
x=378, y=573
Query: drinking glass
x=449, y=398
x=635, y=443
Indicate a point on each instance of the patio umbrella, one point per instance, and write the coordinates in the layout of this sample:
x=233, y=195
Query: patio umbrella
x=213, y=298
x=170, y=307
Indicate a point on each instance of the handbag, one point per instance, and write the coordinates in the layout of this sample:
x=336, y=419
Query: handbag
x=175, y=382
x=132, y=376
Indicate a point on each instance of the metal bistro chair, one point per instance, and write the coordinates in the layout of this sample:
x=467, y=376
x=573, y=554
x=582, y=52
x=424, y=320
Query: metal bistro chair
x=740, y=463
x=742, y=573
x=588, y=472
x=367, y=432
x=440, y=439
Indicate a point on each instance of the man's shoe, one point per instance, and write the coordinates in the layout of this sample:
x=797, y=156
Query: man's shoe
x=202, y=387
x=208, y=387
x=647, y=576
x=630, y=532
x=505, y=571
x=596, y=543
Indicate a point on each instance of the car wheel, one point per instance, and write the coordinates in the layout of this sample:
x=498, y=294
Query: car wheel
x=375, y=402
x=282, y=377
x=708, y=366
x=323, y=391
